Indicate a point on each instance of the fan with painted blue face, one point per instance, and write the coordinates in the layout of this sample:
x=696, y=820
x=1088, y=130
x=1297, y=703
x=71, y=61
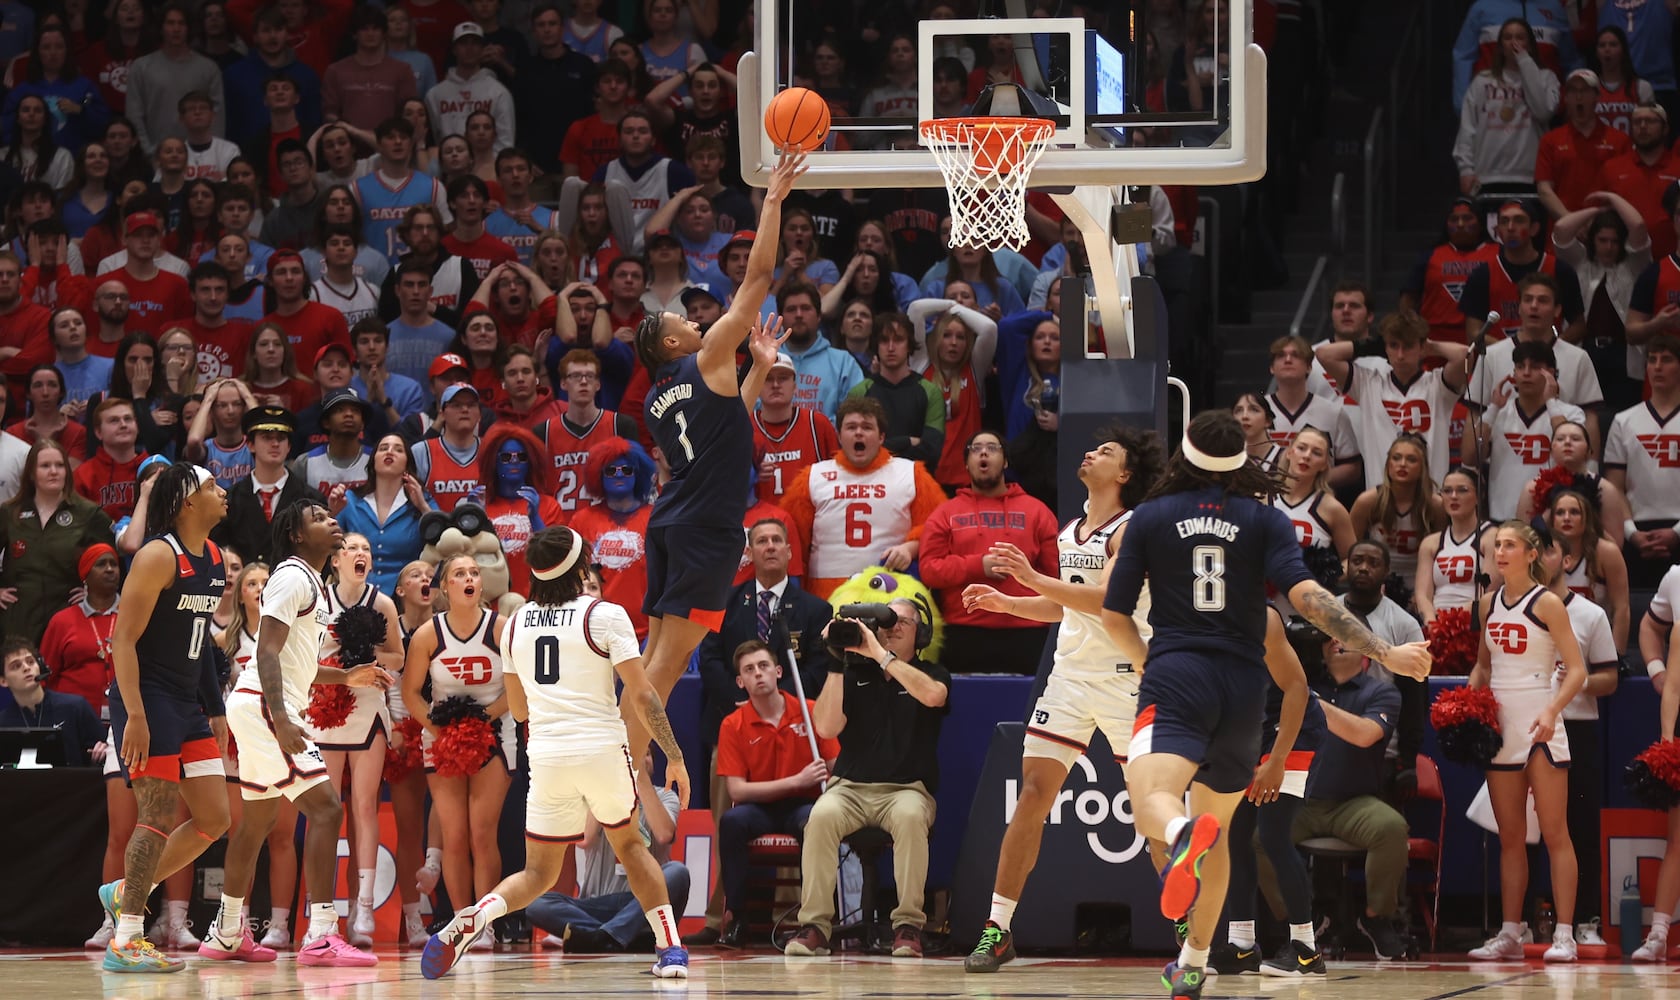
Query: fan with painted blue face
x=878, y=584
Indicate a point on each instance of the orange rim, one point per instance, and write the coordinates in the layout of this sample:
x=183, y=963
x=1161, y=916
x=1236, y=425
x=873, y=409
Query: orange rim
x=957, y=129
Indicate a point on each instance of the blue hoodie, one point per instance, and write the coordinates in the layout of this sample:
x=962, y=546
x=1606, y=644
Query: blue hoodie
x=244, y=85
x=70, y=132
x=826, y=375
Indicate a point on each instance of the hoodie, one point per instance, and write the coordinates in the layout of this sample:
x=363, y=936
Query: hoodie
x=957, y=535
x=457, y=97
x=1478, y=37
x=1501, y=122
x=544, y=407
x=826, y=375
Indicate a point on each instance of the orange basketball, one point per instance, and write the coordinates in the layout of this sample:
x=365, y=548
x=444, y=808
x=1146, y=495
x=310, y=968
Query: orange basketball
x=988, y=144
x=797, y=117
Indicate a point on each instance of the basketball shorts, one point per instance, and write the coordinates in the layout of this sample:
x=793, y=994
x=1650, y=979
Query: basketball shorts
x=505, y=749
x=1205, y=707
x=181, y=744
x=1517, y=711
x=566, y=791
x=368, y=719
x=1072, y=707
x=265, y=770
x=1307, y=741
x=690, y=572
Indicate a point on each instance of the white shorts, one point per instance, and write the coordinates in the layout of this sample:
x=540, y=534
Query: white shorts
x=564, y=792
x=112, y=767
x=370, y=716
x=266, y=771
x=1295, y=769
x=1517, y=711
x=505, y=749
x=1072, y=708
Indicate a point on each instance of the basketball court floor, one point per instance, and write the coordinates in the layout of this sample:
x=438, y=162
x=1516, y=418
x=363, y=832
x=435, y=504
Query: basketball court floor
x=762, y=976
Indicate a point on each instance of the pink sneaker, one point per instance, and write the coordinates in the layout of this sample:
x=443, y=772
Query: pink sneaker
x=333, y=951
x=244, y=949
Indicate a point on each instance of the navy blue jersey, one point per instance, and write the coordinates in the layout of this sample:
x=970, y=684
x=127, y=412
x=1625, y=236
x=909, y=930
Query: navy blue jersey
x=1207, y=557
x=708, y=442
x=176, y=651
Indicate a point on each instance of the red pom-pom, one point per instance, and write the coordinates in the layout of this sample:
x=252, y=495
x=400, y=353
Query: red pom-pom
x=1459, y=705
x=1663, y=758
x=330, y=706
x=463, y=747
x=400, y=762
x=1452, y=642
x=1547, y=481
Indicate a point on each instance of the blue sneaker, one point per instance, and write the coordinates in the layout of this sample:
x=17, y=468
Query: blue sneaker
x=672, y=963
x=446, y=948
x=139, y=955
x=110, y=898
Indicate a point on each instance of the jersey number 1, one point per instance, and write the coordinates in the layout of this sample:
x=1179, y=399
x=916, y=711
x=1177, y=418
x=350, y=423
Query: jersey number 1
x=682, y=435
x=1208, y=592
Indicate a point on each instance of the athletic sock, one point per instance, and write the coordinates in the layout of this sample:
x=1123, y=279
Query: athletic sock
x=411, y=910
x=1568, y=929
x=1659, y=924
x=1511, y=929
x=1241, y=934
x=175, y=912
x=664, y=926
x=1174, y=827
x=434, y=857
x=1003, y=910
x=1304, y=934
x=492, y=907
x=364, y=887
x=1192, y=958
x=229, y=919
x=279, y=916
x=323, y=921
x=129, y=927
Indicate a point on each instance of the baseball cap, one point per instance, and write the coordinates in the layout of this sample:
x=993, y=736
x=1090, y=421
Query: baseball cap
x=697, y=291
x=1588, y=75
x=443, y=364
x=142, y=220
x=783, y=360
x=468, y=28
x=339, y=397
x=663, y=236
x=450, y=393
x=327, y=349
x=740, y=236
x=268, y=418
x=278, y=257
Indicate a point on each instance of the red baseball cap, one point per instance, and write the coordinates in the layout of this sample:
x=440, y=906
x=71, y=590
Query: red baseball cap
x=142, y=220
x=741, y=236
x=446, y=363
x=327, y=349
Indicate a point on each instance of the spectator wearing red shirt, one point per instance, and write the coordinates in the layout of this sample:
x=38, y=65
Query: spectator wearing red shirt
x=1572, y=155
x=222, y=342
x=592, y=142
x=524, y=400
x=508, y=293
x=76, y=646
x=434, y=22
x=110, y=307
x=1643, y=174
x=47, y=418
x=787, y=438
x=309, y=325
x=24, y=339
x=958, y=543
x=108, y=477
x=764, y=756
x=621, y=473
x=157, y=299
x=1433, y=287
x=469, y=202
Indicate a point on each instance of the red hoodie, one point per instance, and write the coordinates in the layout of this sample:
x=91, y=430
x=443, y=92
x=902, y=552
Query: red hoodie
x=544, y=407
x=958, y=533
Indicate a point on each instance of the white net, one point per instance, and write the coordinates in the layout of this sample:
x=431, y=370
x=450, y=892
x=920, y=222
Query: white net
x=986, y=163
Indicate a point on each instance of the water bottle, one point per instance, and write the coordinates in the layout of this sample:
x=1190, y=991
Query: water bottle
x=1632, y=917
x=1547, y=922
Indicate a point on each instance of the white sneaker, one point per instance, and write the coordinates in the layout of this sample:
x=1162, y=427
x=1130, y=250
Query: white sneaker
x=361, y=926
x=485, y=941
x=414, y=930
x=1499, y=948
x=101, y=937
x=278, y=936
x=1587, y=933
x=1527, y=935
x=426, y=879
x=1655, y=948
x=180, y=936
x=1563, y=947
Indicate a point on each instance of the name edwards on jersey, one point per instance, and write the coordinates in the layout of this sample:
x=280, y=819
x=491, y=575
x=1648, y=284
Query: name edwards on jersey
x=1207, y=526
x=676, y=394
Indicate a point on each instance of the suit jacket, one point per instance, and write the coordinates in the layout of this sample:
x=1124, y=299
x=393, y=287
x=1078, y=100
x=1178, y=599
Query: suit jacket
x=246, y=530
x=801, y=618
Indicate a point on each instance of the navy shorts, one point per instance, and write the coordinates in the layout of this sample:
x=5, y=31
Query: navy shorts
x=691, y=570
x=1207, y=708
x=181, y=743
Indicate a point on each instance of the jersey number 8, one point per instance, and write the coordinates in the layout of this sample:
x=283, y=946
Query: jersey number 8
x=1208, y=591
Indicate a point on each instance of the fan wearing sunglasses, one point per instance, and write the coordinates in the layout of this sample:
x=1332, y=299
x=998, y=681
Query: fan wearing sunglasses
x=621, y=473
x=517, y=491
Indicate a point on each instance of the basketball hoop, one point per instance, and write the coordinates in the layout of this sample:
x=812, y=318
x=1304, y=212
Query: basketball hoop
x=986, y=163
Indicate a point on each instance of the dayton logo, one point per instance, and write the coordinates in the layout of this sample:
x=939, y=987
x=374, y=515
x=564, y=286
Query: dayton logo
x=1512, y=637
x=1663, y=448
x=1091, y=807
x=1456, y=569
x=1530, y=449
x=1410, y=416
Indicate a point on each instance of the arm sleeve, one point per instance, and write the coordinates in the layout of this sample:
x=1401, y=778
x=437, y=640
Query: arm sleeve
x=729, y=759
x=1667, y=595
x=1416, y=277
x=1464, y=146
x=1569, y=288
x=1473, y=301
x=1615, y=446
x=1384, y=708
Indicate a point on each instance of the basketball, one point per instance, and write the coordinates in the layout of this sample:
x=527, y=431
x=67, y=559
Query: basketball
x=797, y=117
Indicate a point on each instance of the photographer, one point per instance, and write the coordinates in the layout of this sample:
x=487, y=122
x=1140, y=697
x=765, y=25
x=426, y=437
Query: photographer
x=886, y=707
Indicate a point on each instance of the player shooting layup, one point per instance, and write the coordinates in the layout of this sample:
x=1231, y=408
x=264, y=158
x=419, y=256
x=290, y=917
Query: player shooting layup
x=562, y=651
x=698, y=418
x=1207, y=540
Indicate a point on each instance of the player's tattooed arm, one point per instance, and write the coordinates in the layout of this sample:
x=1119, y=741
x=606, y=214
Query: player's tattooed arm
x=658, y=723
x=1322, y=609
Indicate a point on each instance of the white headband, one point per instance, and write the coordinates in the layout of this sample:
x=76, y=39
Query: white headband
x=555, y=572
x=201, y=476
x=1212, y=463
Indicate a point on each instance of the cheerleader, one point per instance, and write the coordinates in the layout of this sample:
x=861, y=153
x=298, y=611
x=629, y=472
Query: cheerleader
x=1655, y=948
x=458, y=652
x=1592, y=564
x=1452, y=561
x=1321, y=522
x=1526, y=635
x=408, y=796
x=358, y=745
x=1404, y=509
x=1572, y=452
x=1255, y=415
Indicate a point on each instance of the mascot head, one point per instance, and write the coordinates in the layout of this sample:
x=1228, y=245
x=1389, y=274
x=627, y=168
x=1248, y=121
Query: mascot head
x=469, y=531
x=880, y=585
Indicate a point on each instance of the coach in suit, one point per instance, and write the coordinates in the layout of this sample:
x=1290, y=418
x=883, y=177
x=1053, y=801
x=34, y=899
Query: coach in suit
x=774, y=609
x=254, y=500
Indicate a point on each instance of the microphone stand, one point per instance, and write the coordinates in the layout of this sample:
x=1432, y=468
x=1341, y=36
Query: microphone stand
x=779, y=624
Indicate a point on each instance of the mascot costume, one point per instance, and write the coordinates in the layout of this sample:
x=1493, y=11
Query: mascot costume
x=880, y=585
x=468, y=531
x=615, y=527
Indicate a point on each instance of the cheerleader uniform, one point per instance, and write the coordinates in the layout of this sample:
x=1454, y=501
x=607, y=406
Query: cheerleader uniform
x=473, y=666
x=1523, y=661
x=244, y=657
x=1456, y=566
x=1311, y=532
x=1404, y=543
x=1580, y=583
x=371, y=715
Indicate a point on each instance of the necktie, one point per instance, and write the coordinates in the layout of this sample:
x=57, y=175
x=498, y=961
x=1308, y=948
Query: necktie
x=764, y=599
x=267, y=494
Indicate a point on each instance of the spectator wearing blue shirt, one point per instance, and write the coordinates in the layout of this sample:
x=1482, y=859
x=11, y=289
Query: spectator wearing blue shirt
x=802, y=259
x=84, y=374
x=35, y=707
x=54, y=78
x=17, y=29
x=387, y=511
x=1029, y=365
x=245, y=83
x=997, y=295
x=396, y=394
x=825, y=373
x=417, y=338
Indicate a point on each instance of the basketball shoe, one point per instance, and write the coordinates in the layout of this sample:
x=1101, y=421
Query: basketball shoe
x=1181, y=880
x=995, y=950
x=445, y=948
x=671, y=963
x=139, y=955
x=1183, y=982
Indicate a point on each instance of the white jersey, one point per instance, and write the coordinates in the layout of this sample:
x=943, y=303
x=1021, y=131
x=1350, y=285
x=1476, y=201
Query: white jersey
x=844, y=500
x=1422, y=407
x=1083, y=647
x=1403, y=543
x=1523, y=655
x=647, y=192
x=1598, y=649
x=564, y=658
x=1326, y=413
x=1667, y=597
x=1520, y=448
x=1579, y=582
x=470, y=665
x=1577, y=379
x=357, y=301
x=1311, y=530
x=1647, y=446
x=1456, y=564
x=244, y=657
x=295, y=597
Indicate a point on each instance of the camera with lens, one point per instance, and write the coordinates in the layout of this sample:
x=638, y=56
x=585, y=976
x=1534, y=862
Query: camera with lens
x=842, y=635
x=1307, y=640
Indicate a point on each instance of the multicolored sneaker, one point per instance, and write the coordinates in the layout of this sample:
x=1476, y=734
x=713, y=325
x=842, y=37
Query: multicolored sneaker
x=445, y=948
x=110, y=899
x=243, y=948
x=1181, y=879
x=1181, y=931
x=334, y=952
x=138, y=955
x=1183, y=982
x=671, y=963
x=995, y=950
